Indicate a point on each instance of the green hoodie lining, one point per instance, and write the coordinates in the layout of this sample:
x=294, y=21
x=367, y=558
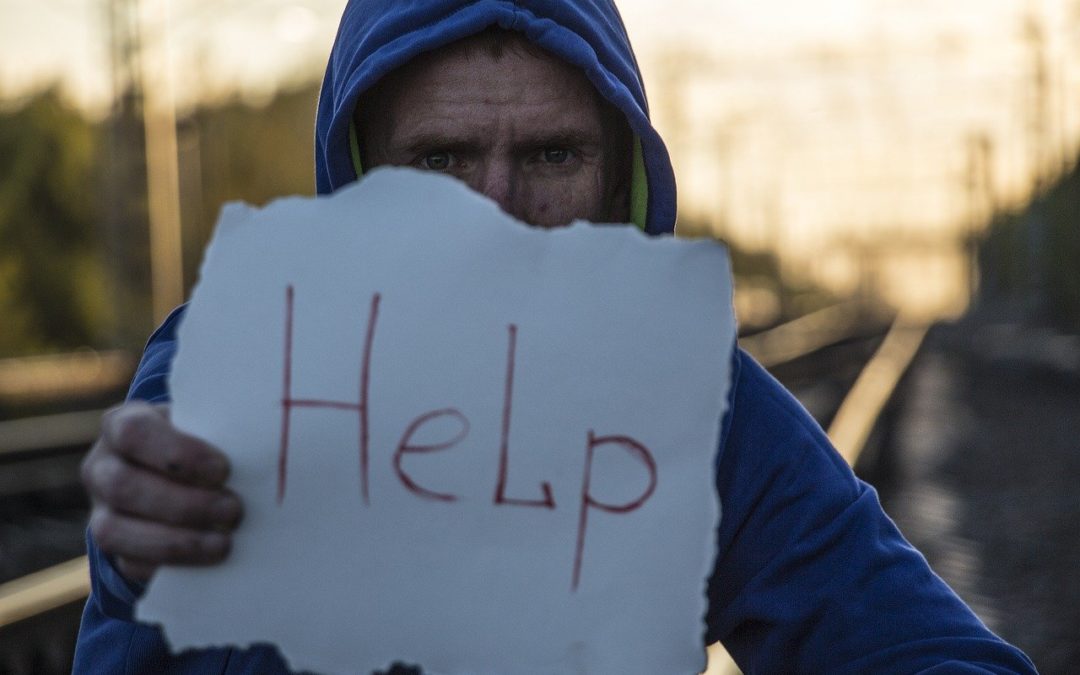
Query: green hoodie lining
x=639, y=184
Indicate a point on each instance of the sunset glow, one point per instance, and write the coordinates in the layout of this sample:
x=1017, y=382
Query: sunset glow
x=834, y=132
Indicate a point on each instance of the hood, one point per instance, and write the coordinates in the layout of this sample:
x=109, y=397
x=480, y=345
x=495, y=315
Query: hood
x=377, y=36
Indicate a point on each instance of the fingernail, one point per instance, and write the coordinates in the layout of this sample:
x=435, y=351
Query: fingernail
x=215, y=544
x=226, y=510
x=216, y=467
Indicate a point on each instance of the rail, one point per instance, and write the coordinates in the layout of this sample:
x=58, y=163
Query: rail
x=32, y=434
x=43, y=453
x=43, y=591
x=37, y=379
x=806, y=334
x=862, y=406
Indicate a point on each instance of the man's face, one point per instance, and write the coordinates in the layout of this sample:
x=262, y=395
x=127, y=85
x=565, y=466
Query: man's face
x=517, y=125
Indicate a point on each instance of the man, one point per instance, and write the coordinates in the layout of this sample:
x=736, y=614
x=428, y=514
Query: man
x=538, y=105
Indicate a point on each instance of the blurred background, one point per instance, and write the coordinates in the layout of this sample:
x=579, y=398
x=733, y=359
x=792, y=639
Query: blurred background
x=898, y=182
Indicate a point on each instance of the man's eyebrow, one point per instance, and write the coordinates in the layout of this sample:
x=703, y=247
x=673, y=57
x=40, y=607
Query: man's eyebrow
x=566, y=136
x=434, y=139
x=572, y=136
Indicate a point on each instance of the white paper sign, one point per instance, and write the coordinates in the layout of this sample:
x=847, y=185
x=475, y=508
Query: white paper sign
x=461, y=442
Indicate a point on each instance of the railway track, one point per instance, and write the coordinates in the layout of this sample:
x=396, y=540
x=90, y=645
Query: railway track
x=42, y=519
x=820, y=357
x=43, y=453
x=42, y=506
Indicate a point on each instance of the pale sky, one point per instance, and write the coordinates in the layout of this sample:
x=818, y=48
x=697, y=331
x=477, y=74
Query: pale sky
x=805, y=126
x=252, y=43
x=246, y=44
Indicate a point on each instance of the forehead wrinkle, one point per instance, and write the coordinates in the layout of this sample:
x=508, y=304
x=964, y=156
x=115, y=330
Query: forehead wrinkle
x=516, y=123
x=530, y=86
x=425, y=127
x=441, y=69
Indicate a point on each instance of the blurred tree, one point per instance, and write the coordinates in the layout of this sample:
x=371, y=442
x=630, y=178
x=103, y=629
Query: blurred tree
x=1030, y=257
x=52, y=291
x=73, y=245
x=1063, y=250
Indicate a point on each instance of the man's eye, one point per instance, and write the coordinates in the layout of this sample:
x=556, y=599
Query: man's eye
x=555, y=155
x=436, y=161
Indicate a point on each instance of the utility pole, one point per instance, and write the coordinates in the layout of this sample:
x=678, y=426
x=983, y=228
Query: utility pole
x=123, y=232
x=722, y=143
x=979, y=185
x=1038, y=108
x=1036, y=228
x=674, y=65
x=678, y=67
x=162, y=171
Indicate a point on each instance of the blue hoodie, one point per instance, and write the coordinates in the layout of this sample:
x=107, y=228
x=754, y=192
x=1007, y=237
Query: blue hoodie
x=810, y=576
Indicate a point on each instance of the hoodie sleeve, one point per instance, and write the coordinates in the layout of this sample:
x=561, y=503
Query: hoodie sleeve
x=811, y=575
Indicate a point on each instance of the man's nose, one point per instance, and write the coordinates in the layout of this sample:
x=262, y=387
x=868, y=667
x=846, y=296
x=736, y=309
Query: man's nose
x=498, y=181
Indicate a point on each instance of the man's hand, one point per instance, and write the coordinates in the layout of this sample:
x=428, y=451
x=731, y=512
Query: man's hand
x=158, y=495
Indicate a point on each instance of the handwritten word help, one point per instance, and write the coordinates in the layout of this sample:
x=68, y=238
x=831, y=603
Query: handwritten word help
x=407, y=446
